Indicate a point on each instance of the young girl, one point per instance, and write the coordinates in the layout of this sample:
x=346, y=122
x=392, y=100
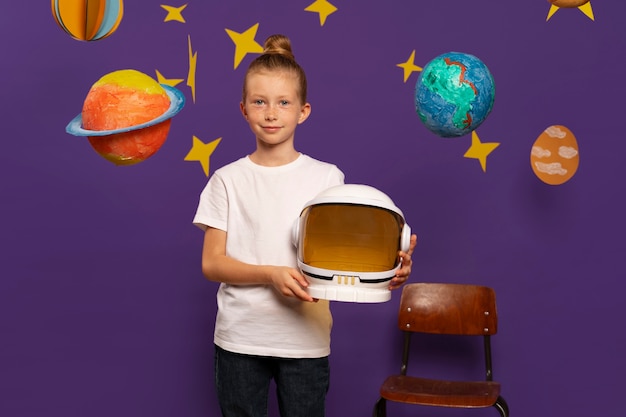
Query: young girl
x=268, y=326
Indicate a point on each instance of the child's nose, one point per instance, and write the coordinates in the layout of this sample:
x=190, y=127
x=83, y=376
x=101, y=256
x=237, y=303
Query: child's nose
x=270, y=114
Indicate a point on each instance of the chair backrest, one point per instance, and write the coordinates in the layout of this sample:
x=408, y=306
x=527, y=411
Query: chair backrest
x=441, y=308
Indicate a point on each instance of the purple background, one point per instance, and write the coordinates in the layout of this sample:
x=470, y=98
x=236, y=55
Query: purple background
x=103, y=308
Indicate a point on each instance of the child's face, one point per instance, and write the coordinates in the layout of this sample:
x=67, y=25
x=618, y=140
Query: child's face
x=272, y=106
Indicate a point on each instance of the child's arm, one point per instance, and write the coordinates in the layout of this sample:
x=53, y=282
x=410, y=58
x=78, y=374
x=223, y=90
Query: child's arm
x=216, y=266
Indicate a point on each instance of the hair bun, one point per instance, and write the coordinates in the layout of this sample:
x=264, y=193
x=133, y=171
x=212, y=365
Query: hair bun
x=278, y=44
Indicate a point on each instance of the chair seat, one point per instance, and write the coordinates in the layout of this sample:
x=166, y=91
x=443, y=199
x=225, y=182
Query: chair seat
x=463, y=394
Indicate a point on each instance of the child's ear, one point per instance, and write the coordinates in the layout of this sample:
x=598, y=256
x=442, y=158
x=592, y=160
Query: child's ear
x=304, y=113
x=243, y=110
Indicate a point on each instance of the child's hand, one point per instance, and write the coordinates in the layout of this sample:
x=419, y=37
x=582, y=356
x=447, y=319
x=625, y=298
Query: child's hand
x=290, y=283
x=402, y=274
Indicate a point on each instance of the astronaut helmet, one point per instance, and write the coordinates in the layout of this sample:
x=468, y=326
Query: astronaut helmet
x=347, y=240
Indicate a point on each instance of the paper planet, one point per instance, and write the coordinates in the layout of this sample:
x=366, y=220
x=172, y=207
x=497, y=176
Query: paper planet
x=554, y=156
x=126, y=116
x=568, y=3
x=454, y=94
x=88, y=20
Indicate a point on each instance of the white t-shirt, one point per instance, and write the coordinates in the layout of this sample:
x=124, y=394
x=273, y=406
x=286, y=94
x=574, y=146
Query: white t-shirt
x=257, y=206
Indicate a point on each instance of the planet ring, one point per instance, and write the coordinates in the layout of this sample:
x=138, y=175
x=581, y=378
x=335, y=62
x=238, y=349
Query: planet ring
x=177, y=101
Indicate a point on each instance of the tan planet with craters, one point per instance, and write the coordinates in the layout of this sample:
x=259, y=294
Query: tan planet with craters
x=554, y=156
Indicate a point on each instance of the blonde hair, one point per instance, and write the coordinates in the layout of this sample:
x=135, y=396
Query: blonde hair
x=278, y=56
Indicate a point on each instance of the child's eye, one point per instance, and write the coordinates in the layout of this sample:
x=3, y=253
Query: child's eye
x=258, y=102
x=284, y=102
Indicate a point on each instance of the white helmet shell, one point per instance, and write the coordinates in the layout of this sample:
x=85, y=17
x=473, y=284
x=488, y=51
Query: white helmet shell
x=347, y=240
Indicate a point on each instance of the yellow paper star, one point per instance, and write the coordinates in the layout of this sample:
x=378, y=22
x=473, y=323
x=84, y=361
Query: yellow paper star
x=244, y=43
x=323, y=7
x=552, y=11
x=201, y=152
x=172, y=82
x=174, y=13
x=585, y=8
x=409, y=66
x=191, y=75
x=480, y=150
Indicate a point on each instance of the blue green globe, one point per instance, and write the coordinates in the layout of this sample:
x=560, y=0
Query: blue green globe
x=454, y=94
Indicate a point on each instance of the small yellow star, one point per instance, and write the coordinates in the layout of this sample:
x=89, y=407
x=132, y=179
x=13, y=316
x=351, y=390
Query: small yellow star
x=323, y=7
x=587, y=10
x=172, y=82
x=201, y=152
x=552, y=11
x=480, y=150
x=244, y=43
x=174, y=13
x=409, y=66
x=191, y=75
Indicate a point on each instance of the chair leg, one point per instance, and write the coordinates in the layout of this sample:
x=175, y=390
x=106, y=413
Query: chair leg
x=502, y=407
x=380, y=409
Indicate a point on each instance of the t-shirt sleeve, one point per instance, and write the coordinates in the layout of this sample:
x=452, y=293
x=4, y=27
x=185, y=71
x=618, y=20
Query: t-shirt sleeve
x=212, y=208
x=341, y=177
x=336, y=176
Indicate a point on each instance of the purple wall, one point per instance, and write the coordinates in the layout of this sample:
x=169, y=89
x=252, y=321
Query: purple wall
x=103, y=308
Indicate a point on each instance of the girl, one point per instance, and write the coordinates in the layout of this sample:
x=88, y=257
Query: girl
x=268, y=326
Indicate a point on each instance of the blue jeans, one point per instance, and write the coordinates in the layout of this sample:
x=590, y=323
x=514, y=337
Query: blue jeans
x=243, y=384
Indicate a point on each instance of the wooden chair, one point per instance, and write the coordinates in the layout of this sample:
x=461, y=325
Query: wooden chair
x=452, y=309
